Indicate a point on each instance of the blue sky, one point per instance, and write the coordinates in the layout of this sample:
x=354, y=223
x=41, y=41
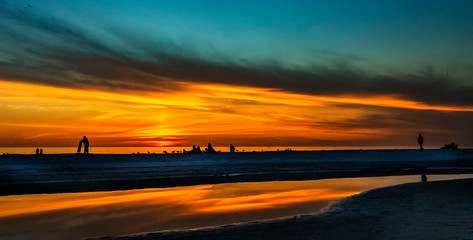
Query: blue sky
x=387, y=36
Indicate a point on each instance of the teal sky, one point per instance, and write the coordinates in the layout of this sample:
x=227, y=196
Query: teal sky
x=392, y=36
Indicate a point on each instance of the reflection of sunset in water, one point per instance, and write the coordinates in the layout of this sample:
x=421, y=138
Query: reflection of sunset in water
x=192, y=200
x=75, y=215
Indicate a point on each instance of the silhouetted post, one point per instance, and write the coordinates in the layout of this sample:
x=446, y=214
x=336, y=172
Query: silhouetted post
x=232, y=148
x=420, y=140
x=85, y=141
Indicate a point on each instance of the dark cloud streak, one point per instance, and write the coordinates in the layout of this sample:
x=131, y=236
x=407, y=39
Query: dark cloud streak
x=62, y=54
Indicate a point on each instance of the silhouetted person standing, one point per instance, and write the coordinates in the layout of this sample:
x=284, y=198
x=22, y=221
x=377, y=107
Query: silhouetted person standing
x=85, y=141
x=41, y=151
x=232, y=148
x=37, y=151
x=420, y=140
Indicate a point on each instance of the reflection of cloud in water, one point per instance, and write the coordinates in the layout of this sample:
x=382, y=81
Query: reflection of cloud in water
x=75, y=215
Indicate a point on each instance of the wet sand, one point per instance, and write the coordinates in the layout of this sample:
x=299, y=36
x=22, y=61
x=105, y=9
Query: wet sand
x=430, y=210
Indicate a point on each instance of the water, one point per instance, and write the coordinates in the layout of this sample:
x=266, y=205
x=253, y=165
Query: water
x=113, y=213
x=159, y=150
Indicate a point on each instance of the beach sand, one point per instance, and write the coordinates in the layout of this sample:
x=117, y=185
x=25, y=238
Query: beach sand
x=424, y=210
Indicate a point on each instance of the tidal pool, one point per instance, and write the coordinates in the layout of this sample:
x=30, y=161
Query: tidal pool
x=114, y=213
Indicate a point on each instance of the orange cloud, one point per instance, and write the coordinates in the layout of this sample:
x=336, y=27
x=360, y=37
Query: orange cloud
x=35, y=114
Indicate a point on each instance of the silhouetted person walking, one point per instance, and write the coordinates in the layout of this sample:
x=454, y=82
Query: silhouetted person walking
x=85, y=141
x=420, y=140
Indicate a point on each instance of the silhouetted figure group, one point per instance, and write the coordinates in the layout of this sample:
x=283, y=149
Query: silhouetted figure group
x=39, y=151
x=195, y=149
x=210, y=149
x=84, y=142
x=420, y=140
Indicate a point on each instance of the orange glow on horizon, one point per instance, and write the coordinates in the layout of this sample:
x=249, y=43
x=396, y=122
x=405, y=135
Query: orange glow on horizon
x=38, y=115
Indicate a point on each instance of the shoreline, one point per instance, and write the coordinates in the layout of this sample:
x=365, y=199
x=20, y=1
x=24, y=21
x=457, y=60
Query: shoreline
x=424, y=210
x=61, y=173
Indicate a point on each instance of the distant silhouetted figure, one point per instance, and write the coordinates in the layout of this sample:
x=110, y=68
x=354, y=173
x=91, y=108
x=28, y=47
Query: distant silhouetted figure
x=41, y=151
x=420, y=140
x=232, y=148
x=85, y=141
x=210, y=149
x=423, y=177
x=37, y=151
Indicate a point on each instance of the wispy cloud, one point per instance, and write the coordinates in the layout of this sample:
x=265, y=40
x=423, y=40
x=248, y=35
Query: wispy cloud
x=39, y=48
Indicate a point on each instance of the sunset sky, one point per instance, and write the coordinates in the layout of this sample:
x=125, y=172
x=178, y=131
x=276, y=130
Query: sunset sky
x=266, y=73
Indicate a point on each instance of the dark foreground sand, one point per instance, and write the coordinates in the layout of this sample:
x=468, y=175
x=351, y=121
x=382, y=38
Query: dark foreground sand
x=431, y=210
